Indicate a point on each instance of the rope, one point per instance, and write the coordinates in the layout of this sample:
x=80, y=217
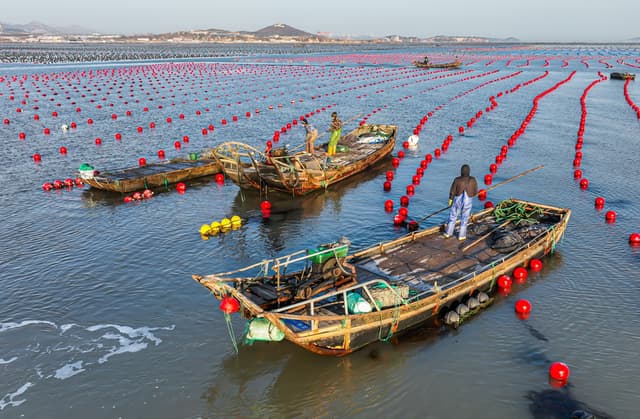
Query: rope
x=232, y=335
x=394, y=322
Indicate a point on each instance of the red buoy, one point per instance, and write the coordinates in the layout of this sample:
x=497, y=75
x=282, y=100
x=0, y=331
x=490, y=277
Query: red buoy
x=504, y=281
x=229, y=305
x=47, y=186
x=177, y=144
x=401, y=154
x=265, y=205
x=390, y=175
x=403, y=212
x=535, y=265
x=610, y=216
x=63, y=150
x=522, y=306
x=488, y=204
x=37, y=158
x=118, y=136
x=599, y=201
x=577, y=174
x=488, y=179
x=404, y=201
x=411, y=189
x=493, y=167
x=559, y=371
x=395, y=162
x=219, y=178
x=634, y=239
x=386, y=186
x=181, y=187
x=584, y=183
x=142, y=161
x=161, y=154
x=98, y=141
x=482, y=194
x=388, y=205
x=520, y=274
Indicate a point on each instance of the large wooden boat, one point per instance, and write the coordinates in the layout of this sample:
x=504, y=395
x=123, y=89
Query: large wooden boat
x=301, y=172
x=332, y=303
x=427, y=64
x=623, y=76
x=154, y=175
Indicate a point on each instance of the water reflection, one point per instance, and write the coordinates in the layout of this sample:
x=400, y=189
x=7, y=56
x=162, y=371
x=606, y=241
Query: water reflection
x=560, y=404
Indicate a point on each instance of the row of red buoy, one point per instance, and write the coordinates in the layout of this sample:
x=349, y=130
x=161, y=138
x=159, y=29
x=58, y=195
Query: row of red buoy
x=630, y=101
x=60, y=184
x=599, y=202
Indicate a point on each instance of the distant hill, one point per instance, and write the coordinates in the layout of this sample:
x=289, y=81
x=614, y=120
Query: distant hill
x=276, y=33
x=38, y=28
x=281, y=30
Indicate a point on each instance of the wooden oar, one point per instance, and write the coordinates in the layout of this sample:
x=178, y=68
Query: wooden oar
x=511, y=179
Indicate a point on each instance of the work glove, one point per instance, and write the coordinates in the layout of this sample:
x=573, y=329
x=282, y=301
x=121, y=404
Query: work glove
x=450, y=202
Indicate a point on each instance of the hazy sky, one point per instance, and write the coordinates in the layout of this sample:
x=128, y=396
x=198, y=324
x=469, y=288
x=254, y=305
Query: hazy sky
x=528, y=20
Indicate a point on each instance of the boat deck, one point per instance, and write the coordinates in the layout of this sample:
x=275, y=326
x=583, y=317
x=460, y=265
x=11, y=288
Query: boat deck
x=154, y=168
x=432, y=260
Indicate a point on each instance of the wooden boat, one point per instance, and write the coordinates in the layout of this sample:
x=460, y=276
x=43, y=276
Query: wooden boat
x=154, y=175
x=426, y=64
x=332, y=303
x=300, y=172
x=623, y=76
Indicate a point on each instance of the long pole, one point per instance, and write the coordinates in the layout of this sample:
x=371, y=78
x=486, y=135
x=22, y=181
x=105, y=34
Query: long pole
x=511, y=179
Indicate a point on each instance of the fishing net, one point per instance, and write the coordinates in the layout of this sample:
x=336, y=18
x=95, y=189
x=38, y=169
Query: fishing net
x=518, y=213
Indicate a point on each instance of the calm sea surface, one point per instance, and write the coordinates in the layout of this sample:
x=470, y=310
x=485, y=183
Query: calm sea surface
x=99, y=316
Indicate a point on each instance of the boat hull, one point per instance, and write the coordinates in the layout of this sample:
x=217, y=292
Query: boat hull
x=302, y=173
x=152, y=176
x=309, y=324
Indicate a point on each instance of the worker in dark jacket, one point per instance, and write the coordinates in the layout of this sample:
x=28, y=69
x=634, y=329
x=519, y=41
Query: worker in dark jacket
x=461, y=194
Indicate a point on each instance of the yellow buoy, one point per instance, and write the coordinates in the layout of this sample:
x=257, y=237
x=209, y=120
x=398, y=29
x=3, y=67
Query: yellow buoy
x=225, y=223
x=215, y=227
x=236, y=221
x=205, y=229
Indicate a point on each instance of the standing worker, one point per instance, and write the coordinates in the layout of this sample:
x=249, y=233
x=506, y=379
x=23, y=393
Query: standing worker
x=312, y=135
x=336, y=132
x=461, y=194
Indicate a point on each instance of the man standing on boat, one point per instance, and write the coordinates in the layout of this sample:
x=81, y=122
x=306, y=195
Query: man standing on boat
x=312, y=135
x=336, y=131
x=461, y=194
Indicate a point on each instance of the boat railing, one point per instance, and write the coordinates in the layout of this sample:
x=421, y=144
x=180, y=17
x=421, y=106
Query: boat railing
x=279, y=264
x=343, y=292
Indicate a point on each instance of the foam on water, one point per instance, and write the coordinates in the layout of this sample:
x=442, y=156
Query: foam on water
x=69, y=370
x=8, y=400
x=64, y=351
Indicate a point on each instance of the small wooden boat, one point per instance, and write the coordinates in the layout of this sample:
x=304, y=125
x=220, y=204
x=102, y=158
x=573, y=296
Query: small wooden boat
x=149, y=176
x=332, y=303
x=300, y=173
x=623, y=76
x=427, y=64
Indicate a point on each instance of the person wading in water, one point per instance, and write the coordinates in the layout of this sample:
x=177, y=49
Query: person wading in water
x=461, y=194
